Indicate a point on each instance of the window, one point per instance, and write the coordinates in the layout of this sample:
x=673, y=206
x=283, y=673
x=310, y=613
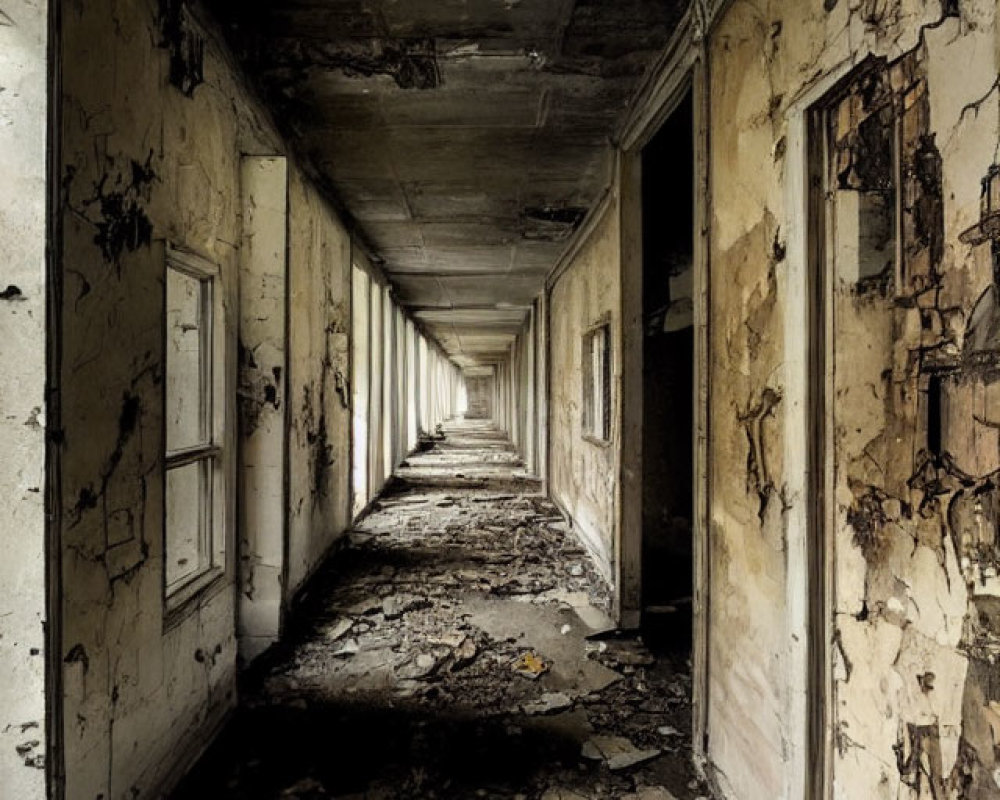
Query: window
x=194, y=496
x=597, y=383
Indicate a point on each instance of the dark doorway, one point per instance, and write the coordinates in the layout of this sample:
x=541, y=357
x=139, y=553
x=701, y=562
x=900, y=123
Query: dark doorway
x=668, y=380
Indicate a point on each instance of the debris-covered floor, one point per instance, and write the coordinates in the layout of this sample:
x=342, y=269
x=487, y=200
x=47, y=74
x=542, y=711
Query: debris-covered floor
x=457, y=648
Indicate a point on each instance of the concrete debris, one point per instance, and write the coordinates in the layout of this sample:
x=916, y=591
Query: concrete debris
x=396, y=605
x=364, y=607
x=549, y=703
x=348, y=649
x=412, y=642
x=339, y=629
x=616, y=751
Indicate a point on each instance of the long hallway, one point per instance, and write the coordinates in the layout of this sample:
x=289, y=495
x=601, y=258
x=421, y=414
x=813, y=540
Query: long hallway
x=458, y=647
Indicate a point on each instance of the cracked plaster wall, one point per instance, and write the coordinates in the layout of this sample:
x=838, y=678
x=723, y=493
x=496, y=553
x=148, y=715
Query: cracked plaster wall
x=23, y=199
x=583, y=474
x=914, y=542
x=152, y=136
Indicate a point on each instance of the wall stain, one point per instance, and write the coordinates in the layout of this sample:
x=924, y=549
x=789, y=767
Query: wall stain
x=185, y=44
x=759, y=478
x=120, y=198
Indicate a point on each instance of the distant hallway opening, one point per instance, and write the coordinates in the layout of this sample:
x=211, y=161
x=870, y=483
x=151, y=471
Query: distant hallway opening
x=668, y=380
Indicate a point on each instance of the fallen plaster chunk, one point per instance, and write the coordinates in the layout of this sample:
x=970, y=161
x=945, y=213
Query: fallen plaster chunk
x=464, y=654
x=549, y=703
x=616, y=751
x=396, y=605
x=365, y=607
x=423, y=666
x=348, y=649
x=338, y=630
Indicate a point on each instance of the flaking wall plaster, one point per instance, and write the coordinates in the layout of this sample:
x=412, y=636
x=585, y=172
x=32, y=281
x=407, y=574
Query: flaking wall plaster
x=319, y=326
x=914, y=617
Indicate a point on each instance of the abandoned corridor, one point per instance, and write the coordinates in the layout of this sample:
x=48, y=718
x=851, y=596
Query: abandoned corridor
x=720, y=283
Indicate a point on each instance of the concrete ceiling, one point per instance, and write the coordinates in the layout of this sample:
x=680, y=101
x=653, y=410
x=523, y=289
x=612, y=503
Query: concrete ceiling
x=467, y=138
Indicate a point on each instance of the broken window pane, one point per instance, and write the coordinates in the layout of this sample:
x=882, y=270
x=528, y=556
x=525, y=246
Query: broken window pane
x=188, y=369
x=865, y=185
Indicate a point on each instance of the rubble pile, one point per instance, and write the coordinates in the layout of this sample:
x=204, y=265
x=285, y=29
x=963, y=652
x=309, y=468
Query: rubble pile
x=458, y=647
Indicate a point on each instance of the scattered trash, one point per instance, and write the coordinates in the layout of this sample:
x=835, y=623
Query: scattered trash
x=530, y=666
x=616, y=751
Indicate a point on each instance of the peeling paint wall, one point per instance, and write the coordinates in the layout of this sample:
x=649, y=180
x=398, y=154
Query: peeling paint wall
x=583, y=474
x=141, y=162
x=23, y=201
x=913, y=451
x=153, y=135
x=319, y=383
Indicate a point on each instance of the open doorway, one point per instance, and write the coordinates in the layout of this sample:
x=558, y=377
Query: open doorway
x=668, y=381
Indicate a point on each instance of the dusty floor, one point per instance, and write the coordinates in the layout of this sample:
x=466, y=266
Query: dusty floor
x=445, y=654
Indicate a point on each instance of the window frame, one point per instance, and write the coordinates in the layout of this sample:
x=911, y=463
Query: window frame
x=213, y=544
x=596, y=384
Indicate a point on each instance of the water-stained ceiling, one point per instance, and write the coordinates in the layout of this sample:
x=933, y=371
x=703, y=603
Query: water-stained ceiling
x=467, y=138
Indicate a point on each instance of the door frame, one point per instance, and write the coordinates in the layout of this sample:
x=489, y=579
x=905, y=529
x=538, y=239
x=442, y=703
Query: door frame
x=809, y=467
x=681, y=69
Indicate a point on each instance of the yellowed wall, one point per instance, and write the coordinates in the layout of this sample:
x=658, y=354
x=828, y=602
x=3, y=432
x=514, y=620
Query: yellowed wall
x=319, y=391
x=144, y=163
x=583, y=474
x=909, y=593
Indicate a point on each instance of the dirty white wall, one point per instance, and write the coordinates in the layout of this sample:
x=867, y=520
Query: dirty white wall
x=147, y=159
x=319, y=253
x=583, y=472
x=914, y=622
x=23, y=204
x=263, y=400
